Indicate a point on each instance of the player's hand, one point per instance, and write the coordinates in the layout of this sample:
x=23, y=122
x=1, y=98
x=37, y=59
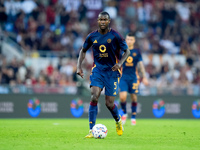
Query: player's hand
x=145, y=81
x=79, y=72
x=116, y=67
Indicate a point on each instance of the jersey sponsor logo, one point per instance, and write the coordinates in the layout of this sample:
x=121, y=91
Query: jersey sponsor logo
x=129, y=61
x=102, y=48
x=95, y=41
x=34, y=107
x=196, y=108
x=103, y=55
x=77, y=108
x=159, y=108
x=109, y=40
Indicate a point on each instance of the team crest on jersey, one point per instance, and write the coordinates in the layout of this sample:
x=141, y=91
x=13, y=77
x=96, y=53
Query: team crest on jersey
x=134, y=54
x=109, y=40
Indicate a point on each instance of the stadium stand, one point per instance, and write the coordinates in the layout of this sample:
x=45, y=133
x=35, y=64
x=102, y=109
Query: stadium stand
x=52, y=32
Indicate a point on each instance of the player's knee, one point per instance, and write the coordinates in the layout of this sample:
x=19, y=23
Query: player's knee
x=94, y=98
x=109, y=105
x=122, y=99
x=134, y=99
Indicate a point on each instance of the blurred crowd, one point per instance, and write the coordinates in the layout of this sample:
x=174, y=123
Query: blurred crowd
x=161, y=27
x=18, y=73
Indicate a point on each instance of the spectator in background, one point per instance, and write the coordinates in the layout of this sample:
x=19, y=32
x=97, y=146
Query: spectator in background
x=28, y=6
x=70, y=5
x=197, y=77
x=3, y=16
x=31, y=41
x=131, y=11
x=20, y=23
x=64, y=16
x=50, y=69
x=9, y=5
x=82, y=10
x=4, y=76
x=183, y=11
x=111, y=9
x=50, y=13
x=67, y=70
x=11, y=76
x=22, y=71
x=14, y=67
x=140, y=12
x=13, y=8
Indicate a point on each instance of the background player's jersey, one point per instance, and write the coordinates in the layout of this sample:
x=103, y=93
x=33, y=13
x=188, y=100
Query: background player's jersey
x=106, y=49
x=130, y=65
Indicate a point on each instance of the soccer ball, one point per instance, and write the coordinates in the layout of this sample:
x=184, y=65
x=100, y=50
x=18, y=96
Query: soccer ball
x=99, y=131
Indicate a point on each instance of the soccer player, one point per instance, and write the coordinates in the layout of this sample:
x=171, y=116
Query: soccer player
x=129, y=81
x=106, y=44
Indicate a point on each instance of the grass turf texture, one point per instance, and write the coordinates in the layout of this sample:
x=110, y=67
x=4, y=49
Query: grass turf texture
x=62, y=134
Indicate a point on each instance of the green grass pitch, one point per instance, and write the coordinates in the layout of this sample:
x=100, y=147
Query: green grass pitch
x=68, y=134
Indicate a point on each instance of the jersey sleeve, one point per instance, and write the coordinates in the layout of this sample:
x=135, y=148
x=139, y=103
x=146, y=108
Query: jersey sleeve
x=122, y=43
x=88, y=43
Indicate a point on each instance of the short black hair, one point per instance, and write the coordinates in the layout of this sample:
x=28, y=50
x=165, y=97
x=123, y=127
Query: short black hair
x=104, y=13
x=131, y=34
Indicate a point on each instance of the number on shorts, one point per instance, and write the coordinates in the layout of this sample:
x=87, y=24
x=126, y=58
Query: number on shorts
x=115, y=83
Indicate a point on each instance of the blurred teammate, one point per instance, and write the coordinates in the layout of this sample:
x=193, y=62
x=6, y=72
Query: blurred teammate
x=129, y=81
x=106, y=44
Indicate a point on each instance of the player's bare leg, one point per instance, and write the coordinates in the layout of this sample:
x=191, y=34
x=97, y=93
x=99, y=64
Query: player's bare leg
x=115, y=113
x=95, y=93
x=123, y=96
x=134, y=108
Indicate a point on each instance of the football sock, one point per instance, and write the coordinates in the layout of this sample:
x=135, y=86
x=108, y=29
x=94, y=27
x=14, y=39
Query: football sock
x=93, y=109
x=115, y=113
x=123, y=106
x=134, y=108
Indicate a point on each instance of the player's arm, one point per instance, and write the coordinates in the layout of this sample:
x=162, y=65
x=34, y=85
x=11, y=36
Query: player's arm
x=143, y=72
x=87, y=44
x=124, y=57
x=80, y=60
